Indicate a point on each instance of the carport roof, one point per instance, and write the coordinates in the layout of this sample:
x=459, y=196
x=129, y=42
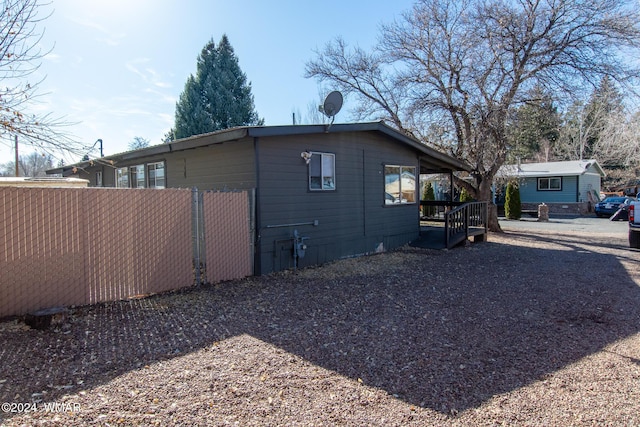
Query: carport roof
x=563, y=168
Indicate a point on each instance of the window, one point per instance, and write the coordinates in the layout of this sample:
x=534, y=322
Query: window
x=99, y=179
x=140, y=176
x=550, y=184
x=122, y=177
x=136, y=174
x=322, y=175
x=399, y=184
x=156, y=175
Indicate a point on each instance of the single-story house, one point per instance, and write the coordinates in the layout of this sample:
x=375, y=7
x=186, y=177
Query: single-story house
x=348, y=189
x=566, y=186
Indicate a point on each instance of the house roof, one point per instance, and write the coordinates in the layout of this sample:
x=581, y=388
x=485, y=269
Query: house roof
x=435, y=160
x=565, y=168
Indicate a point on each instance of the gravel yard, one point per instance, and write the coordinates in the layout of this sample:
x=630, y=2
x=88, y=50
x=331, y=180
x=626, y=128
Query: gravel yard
x=537, y=326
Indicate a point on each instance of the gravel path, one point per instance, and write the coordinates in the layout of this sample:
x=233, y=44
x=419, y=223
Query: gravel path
x=534, y=327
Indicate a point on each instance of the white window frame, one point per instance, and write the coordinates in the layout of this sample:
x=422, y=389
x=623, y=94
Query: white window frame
x=122, y=176
x=393, y=198
x=99, y=179
x=137, y=177
x=326, y=179
x=153, y=182
x=549, y=186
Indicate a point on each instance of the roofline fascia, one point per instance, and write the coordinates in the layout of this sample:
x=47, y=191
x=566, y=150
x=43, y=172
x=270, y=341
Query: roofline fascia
x=232, y=134
x=379, y=126
x=195, y=141
x=460, y=165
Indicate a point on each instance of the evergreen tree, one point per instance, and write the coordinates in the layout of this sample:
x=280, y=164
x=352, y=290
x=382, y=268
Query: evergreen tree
x=512, y=203
x=535, y=128
x=428, y=194
x=217, y=97
x=465, y=197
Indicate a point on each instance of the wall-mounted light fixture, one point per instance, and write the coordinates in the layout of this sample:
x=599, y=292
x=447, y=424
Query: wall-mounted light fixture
x=306, y=156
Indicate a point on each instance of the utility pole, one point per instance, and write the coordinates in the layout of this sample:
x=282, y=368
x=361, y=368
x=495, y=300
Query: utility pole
x=17, y=167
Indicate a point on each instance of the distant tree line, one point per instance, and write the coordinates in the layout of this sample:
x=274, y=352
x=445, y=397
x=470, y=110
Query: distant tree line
x=600, y=127
x=32, y=165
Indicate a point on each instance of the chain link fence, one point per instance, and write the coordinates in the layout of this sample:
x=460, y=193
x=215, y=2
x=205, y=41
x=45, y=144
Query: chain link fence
x=68, y=246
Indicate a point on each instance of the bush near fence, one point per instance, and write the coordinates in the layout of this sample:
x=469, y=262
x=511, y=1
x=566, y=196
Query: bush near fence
x=77, y=246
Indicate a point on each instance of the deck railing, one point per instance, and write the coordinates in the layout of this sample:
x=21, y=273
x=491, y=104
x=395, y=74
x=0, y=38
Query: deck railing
x=468, y=219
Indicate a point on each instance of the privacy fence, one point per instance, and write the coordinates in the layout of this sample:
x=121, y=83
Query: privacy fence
x=77, y=246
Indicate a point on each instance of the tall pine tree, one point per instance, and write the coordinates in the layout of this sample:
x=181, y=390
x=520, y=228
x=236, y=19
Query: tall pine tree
x=534, y=128
x=217, y=97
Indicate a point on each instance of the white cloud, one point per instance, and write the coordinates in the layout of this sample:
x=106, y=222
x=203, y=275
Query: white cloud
x=107, y=37
x=54, y=57
x=113, y=39
x=147, y=74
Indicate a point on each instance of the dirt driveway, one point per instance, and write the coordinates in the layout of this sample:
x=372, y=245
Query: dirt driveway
x=537, y=326
x=586, y=225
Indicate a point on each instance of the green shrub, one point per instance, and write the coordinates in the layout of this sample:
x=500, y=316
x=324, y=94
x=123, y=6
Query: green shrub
x=512, y=204
x=465, y=196
x=428, y=194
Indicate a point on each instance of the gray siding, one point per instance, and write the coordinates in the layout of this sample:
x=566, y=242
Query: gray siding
x=227, y=166
x=352, y=220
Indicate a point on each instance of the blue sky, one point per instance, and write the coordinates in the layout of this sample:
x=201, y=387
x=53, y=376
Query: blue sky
x=117, y=67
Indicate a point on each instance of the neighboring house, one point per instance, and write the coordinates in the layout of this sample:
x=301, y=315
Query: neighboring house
x=567, y=186
x=349, y=189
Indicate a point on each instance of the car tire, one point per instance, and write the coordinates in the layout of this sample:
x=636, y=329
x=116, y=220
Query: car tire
x=634, y=239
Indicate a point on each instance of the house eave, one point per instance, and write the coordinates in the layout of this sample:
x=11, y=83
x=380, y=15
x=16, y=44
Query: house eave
x=437, y=161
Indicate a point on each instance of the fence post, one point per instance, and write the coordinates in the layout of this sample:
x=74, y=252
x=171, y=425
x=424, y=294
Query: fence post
x=446, y=229
x=195, y=215
x=466, y=221
x=202, y=247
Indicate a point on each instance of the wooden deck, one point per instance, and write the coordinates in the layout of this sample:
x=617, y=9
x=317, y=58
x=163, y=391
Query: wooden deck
x=431, y=236
x=458, y=224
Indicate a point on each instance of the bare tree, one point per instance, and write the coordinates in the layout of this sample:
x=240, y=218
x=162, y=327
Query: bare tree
x=138, y=142
x=20, y=57
x=32, y=165
x=314, y=115
x=463, y=65
x=618, y=146
x=585, y=124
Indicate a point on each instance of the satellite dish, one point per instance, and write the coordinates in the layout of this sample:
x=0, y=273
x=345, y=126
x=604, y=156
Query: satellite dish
x=332, y=104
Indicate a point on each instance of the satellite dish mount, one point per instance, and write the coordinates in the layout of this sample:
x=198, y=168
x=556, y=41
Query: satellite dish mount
x=331, y=106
